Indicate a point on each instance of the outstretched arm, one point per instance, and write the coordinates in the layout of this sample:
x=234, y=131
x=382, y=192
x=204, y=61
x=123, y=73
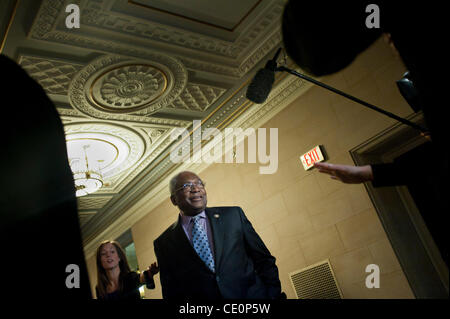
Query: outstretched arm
x=348, y=174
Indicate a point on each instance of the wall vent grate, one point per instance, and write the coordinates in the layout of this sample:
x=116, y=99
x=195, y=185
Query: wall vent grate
x=315, y=282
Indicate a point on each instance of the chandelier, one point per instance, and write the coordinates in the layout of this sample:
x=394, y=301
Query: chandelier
x=86, y=173
x=96, y=156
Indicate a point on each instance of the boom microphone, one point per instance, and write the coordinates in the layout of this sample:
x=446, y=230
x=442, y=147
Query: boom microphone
x=259, y=89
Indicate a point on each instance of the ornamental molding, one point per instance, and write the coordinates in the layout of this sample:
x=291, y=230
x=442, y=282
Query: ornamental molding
x=53, y=75
x=92, y=202
x=155, y=150
x=114, y=85
x=130, y=26
x=85, y=216
x=99, y=15
x=273, y=41
x=197, y=97
x=152, y=133
x=49, y=26
x=123, y=118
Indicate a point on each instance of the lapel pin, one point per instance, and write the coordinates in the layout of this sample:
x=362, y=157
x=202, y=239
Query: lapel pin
x=216, y=215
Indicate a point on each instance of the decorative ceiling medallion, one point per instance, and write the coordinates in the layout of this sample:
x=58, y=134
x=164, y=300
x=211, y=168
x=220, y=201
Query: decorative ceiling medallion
x=117, y=85
x=113, y=148
x=128, y=88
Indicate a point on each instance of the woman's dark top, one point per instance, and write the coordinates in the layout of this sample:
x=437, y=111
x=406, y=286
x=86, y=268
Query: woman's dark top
x=130, y=291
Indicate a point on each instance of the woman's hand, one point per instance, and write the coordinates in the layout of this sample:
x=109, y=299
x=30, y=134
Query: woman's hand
x=346, y=173
x=153, y=269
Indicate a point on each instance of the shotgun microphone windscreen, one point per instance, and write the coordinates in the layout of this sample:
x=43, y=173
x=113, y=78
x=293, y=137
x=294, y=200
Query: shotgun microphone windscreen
x=260, y=87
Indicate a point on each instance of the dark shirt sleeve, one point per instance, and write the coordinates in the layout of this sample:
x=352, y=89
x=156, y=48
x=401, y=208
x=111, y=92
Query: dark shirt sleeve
x=149, y=281
x=130, y=291
x=132, y=280
x=131, y=286
x=264, y=262
x=403, y=170
x=389, y=174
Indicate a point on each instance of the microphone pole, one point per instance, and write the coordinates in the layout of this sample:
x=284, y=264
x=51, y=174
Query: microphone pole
x=373, y=107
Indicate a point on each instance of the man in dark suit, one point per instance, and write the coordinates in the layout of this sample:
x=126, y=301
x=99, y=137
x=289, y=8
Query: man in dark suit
x=212, y=253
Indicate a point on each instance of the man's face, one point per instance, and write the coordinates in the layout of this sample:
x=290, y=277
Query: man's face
x=190, y=200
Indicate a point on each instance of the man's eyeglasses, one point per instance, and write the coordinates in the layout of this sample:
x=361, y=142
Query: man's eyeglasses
x=187, y=187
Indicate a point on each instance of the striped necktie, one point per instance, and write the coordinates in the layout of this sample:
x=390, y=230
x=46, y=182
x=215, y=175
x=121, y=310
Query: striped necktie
x=201, y=244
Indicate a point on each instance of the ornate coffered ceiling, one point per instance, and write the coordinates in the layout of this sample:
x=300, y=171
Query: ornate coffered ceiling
x=133, y=73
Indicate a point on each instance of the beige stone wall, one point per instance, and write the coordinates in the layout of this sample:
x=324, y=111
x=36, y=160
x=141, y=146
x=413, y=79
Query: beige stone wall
x=305, y=217
x=91, y=265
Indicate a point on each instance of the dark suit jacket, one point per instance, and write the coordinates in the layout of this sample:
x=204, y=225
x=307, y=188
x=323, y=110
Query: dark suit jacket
x=244, y=266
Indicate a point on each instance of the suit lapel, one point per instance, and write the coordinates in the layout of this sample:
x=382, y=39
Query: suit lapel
x=182, y=244
x=180, y=240
x=218, y=233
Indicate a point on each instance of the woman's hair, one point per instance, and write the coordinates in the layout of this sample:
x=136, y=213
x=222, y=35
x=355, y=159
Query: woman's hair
x=102, y=278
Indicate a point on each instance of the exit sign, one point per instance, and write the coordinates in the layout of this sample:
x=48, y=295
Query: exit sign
x=312, y=156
